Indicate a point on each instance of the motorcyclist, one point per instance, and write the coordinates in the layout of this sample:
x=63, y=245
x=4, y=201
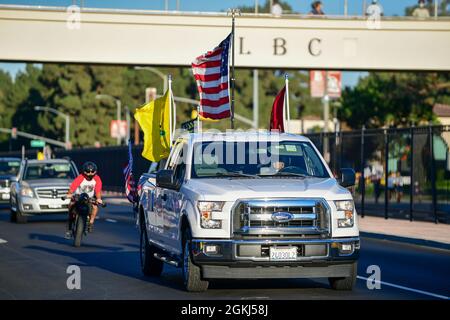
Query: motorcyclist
x=87, y=182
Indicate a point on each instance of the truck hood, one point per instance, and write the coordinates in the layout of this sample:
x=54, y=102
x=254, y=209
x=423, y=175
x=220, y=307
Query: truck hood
x=47, y=183
x=233, y=189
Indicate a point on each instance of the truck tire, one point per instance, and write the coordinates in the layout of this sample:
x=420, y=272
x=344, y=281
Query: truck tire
x=80, y=223
x=12, y=216
x=20, y=217
x=346, y=283
x=15, y=215
x=191, y=273
x=149, y=264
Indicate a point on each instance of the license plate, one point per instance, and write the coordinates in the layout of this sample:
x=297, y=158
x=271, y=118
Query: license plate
x=54, y=206
x=5, y=196
x=283, y=254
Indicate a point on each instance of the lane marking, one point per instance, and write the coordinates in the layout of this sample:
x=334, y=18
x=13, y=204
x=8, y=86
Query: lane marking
x=255, y=298
x=3, y=241
x=111, y=220
x=406, y=288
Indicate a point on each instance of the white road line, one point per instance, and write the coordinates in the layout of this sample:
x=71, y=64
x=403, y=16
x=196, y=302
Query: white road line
x=3, y=241
x=111, y=220
x=406, y=288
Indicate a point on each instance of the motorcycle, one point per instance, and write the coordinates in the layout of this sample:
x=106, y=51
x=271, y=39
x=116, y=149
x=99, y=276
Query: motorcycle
x=80, y=215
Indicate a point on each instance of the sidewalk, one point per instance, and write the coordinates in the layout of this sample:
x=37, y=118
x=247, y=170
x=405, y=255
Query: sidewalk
x=418, y=232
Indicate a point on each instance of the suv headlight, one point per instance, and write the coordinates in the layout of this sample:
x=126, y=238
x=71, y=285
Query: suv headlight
x=206, y=208
x=347, y=207
x=26, y=192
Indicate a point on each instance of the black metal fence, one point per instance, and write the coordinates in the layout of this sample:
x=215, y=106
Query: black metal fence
x=401, y=173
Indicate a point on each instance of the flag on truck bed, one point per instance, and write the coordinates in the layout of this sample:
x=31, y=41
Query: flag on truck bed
x=130, y=185
x=277, y=117
x=211, y=72
x=154, y=120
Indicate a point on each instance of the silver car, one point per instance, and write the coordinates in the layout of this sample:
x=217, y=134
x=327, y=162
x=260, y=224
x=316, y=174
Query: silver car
x=40, y=186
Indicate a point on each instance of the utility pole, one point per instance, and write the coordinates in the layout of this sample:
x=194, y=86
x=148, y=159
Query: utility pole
x=255, y=99
x=119, y=118
x=255, y=88
x=326, y=116
x=127, y=115
x=59, y=113
x=119, y=112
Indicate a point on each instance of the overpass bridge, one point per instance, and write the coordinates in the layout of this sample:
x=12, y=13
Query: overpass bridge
x=56, y=34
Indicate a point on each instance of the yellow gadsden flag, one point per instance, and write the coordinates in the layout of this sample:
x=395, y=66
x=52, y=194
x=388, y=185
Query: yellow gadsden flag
x=154, y=119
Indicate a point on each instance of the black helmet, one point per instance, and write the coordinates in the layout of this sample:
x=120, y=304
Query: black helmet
x=89, y=169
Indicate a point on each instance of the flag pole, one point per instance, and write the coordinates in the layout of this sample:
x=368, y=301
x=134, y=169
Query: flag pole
x=169, y=80
x=286, y=99
x=233, y=15
x=199, y=129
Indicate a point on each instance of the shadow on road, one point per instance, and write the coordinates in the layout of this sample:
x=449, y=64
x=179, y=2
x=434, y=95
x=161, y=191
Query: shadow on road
x=126, y=263
x=115, y=259
x=62, y=240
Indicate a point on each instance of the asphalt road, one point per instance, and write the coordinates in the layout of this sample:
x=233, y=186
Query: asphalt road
x=34, y=258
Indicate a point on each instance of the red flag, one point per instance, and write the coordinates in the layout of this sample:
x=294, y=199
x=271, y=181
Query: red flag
x=277, y=117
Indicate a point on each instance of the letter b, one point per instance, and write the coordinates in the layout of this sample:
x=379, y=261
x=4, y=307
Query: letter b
x=279, y=47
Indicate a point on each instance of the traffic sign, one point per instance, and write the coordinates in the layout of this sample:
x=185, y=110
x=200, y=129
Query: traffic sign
x=118, y=128
x=325, y=83
x=334, y=84
x=37, y=143
x=317, y=83
x=14, y=133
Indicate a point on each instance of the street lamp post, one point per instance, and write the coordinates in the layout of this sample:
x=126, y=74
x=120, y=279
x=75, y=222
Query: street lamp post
x=64, y=115
x=119, y=112
x=158, y=73
x=127, y=115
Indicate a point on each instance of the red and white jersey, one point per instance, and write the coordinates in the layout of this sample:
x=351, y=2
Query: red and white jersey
x=82, y=185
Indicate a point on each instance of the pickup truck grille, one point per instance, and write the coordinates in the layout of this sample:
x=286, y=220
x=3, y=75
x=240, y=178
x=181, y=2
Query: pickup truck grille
x=281, y=217
x=51, y=193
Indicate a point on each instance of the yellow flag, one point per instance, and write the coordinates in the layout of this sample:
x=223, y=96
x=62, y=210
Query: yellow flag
x=154, y=119
x=194, y=115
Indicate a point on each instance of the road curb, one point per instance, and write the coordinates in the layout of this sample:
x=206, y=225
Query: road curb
x=420, y=242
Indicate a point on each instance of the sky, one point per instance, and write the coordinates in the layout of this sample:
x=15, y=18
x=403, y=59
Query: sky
x=333, y=7
x=391, y=7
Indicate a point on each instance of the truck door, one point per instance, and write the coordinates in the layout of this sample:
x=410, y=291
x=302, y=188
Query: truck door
x=174, y=199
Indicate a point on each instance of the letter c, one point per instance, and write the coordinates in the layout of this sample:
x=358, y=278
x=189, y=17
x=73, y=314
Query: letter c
x=314, y=48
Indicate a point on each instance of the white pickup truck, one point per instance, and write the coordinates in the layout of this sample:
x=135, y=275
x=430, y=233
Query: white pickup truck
x=248, y=205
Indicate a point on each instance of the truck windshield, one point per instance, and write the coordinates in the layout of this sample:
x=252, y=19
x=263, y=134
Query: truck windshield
x=256, y=160
x=9, y=167
x=35, y=171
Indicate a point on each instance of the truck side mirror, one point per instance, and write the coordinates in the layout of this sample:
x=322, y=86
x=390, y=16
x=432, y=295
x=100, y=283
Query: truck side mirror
x=165, y=179
x=348, y=177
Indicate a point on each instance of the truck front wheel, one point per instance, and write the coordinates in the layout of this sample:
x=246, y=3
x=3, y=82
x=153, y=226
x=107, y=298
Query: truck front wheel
x=346, y=283
x=191, y=273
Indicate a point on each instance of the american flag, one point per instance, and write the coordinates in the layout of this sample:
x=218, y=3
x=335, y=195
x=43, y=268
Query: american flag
x=211, y=71
x=130, y=185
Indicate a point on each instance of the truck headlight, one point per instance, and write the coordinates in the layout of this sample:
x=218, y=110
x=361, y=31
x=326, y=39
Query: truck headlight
x=206, y=208
x=26, y=192
x=347, y=207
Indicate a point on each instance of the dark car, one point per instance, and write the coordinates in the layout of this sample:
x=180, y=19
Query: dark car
x=9, y=170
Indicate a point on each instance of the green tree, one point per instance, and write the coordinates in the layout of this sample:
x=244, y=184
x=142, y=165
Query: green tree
x=397, y=99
